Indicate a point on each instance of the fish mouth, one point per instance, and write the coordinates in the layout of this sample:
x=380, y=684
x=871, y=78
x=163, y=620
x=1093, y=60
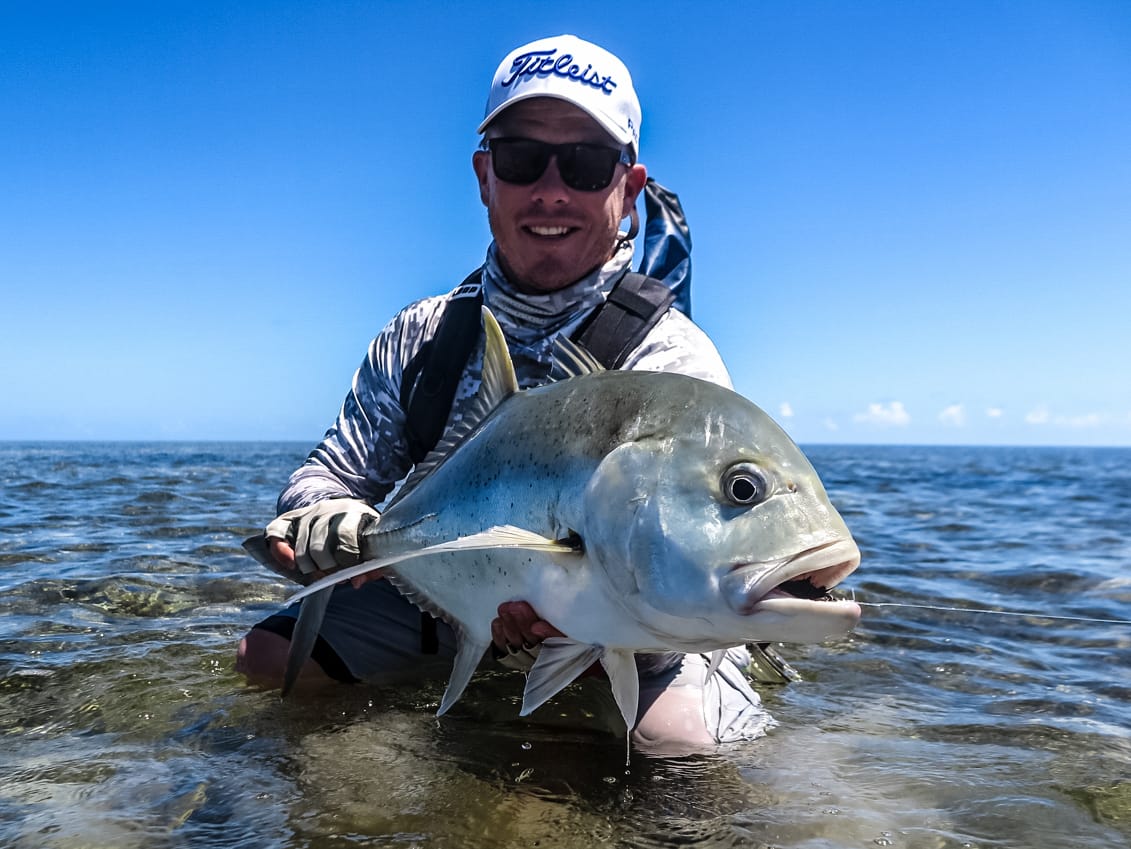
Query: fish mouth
x=806, y=577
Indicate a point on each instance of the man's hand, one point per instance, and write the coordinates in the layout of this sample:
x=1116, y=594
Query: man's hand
x=517, y=634
x=326, y=536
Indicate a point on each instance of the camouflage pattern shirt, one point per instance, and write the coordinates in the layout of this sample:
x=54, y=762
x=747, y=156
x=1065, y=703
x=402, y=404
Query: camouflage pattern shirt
x=365, y=453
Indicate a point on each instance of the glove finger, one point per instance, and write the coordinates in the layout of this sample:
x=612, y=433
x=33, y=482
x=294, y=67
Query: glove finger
x=302, y=546
x=282, y=527
x=346, y=550
x=322, y=541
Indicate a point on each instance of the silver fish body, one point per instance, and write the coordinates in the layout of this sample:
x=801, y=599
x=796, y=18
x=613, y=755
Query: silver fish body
x=636, y=511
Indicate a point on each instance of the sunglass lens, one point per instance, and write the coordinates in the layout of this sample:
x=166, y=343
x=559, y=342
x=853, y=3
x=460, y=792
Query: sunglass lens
x=586, y=167
x=519, y=161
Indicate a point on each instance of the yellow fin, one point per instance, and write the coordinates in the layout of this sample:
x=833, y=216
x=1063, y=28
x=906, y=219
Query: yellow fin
x=498, y=383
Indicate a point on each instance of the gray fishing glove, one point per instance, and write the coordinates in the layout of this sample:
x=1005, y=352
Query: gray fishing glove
x=326, y=535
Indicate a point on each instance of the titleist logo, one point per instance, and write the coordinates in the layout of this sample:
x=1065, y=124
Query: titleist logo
x=542, y=62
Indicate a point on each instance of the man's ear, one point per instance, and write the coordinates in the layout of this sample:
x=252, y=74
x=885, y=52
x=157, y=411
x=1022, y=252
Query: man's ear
x=633, y=186
x=481, y=163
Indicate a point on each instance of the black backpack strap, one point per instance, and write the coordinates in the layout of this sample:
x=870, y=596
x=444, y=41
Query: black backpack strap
x=617, y=327
x=429, y=383
x=428, y=387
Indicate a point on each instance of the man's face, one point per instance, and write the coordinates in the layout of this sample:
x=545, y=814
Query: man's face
x=548, y=234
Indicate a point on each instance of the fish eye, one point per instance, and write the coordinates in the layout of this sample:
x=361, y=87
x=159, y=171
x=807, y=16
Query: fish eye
x=744, y=485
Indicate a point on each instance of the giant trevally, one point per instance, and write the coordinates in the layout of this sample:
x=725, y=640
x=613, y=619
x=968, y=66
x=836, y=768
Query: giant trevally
x=636, y=511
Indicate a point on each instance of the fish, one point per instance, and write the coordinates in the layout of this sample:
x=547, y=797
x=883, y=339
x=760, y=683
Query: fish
x=637, y=511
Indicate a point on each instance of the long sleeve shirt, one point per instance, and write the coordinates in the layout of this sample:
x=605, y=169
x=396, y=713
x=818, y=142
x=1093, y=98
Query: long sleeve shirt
x=365, y=452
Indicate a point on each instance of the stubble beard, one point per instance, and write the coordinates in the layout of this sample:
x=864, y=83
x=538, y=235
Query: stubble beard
x=548, y=274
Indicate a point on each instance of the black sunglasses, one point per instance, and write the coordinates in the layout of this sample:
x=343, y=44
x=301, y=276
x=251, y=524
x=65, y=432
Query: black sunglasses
x=584, y=167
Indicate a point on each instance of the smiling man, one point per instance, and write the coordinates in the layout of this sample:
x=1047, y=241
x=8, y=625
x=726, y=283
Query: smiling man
x=558, y=173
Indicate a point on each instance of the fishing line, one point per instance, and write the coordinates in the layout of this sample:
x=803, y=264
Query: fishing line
x=994, y=612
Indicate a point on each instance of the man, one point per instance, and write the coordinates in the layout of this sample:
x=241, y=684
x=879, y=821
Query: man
x=558, y=173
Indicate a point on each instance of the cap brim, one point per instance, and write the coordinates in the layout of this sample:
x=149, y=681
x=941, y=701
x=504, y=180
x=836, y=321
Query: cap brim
x=607, y=124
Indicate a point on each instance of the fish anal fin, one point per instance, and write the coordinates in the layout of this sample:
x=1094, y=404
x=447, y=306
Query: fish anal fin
x=560, y=661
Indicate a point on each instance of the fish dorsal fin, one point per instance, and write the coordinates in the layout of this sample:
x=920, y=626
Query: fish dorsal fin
x=571, y=359
x=498, y=383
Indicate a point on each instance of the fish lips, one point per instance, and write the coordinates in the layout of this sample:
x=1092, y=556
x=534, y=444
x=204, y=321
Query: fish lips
x=804, y=577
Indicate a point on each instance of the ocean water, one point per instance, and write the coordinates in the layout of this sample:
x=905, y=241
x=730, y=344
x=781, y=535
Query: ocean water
x=124, y=589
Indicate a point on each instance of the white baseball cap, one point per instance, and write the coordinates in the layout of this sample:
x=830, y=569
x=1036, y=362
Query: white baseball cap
x=573, y=70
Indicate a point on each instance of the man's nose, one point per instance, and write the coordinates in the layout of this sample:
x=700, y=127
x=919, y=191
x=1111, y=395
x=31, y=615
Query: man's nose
x=549, y=188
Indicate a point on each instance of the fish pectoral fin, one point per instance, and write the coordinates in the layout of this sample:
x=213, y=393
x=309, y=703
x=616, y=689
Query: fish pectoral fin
x=468, y=655
x=559, y=663
x=624, y=679
x=511, y=536
x=500, y=536
x=305, y=634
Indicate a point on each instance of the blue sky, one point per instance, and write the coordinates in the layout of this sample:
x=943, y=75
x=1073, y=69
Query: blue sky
x=912, y=220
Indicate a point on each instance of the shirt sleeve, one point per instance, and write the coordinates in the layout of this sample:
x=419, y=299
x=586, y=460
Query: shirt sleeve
x=365, y=452
x=679, y=345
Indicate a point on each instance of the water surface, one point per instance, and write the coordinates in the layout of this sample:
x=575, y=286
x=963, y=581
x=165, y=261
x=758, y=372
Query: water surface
x=124, y=590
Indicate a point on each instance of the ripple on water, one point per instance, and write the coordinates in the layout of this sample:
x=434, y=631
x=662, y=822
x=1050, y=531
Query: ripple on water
x=125, y=589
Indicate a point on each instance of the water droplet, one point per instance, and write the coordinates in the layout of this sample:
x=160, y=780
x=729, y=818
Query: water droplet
x=527, y=746
x=610, y=779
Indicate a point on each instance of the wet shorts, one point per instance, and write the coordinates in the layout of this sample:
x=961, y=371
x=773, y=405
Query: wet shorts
x=374, y=634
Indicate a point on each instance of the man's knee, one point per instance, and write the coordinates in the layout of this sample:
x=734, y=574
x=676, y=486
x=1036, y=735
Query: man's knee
x=674, y=724
x=262, y=658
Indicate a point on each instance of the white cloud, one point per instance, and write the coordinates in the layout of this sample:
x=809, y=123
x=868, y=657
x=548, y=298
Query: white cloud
x=953, y=415
x=831, y=425
x=885, y=415
x=1083, y=421
x=786, y=410
x=994, y=412
x=1080, y=421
